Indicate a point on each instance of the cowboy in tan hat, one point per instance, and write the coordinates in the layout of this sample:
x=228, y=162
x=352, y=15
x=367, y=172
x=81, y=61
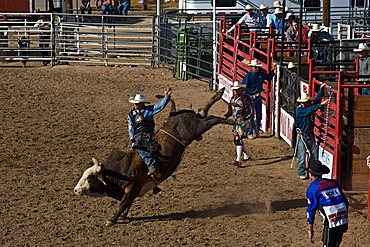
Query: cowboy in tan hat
x=306, y=144
x=326, y=196
x=241, y=110
x=363, y=65
x=141, y=127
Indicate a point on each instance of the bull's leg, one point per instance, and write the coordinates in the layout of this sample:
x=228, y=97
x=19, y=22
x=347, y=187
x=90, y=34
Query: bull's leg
x=124, y=207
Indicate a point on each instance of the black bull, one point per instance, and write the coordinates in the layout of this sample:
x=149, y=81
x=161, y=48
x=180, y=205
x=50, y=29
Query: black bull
x=123, y=175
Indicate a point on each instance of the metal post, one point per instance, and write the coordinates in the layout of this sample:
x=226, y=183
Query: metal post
x=214, y=49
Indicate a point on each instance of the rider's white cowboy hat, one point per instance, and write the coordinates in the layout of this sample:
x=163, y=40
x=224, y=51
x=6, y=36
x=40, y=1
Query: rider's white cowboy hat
x=248, y=7
x=278, y=11
x=316, y=28
x=277, y=4
x=304, y=98
x=291, y=65
x=254, y=63
x=237, y=85
x=139, y=98
x=262, y=6
x=362, y=47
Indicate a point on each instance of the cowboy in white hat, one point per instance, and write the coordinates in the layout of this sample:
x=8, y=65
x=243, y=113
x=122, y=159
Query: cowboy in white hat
x=277, y=20
x=250, y=19
x=241, y=109
x=265, y=16
x=319, y=38
x=320, y=197
x=306, y=143
x=254, y=81
x=364, y=65
x=141, y=127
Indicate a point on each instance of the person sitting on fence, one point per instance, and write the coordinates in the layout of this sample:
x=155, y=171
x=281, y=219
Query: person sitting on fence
x=326, y=196
x=23, y=45
x=141, y=127
x=265, y=16
x=254, y=87
x=363, y=65
x=107, y=7
x=240, y=107
x=44, y=37
x=306, y=145
x=124, y=6
x=292, y=35
x=85, y=5
x=319, y=40
x=251, y=20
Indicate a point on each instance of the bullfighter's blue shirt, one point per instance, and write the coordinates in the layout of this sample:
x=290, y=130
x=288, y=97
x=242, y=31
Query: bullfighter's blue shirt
x=254, y=81
x=305, y=114
x=327, y=196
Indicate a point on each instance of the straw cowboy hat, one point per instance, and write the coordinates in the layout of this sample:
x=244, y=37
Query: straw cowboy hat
x=291, y=65
x=304, y=98
x=277, y=4
x=316, y=168
x=254, y=63
x=362, y=47
x=262, y=6
x=278, y=11
x=139, y=98
x=316, y=28
x=248, y=7
x=237, y=85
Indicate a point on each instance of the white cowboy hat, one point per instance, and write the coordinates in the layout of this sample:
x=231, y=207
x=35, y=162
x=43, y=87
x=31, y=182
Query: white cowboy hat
x=362, y=47
x=316, y=28
x=139, y=98
x=304, y=98
x=288, y=15
x=237, y=85
x=291, y=65
x=248, y=7
x=262, y=6
x=278, y=11
x=277, y=4
x=254, y=63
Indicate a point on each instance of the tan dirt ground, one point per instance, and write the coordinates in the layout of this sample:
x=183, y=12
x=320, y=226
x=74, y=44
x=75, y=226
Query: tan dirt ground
x=54, y=120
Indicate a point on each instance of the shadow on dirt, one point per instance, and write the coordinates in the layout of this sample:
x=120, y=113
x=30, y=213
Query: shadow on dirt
x=234, y=210
x=273, y=160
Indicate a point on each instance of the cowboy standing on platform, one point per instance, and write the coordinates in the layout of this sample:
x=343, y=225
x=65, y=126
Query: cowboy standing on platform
x=141, y=127
x=254, y=87
x=327, y=196
x=306, y=143
x=241, y=109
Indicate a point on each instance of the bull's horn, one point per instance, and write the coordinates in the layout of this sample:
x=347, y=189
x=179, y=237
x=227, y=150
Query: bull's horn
x=101, y=179
x=97, y=166
x=95, y=161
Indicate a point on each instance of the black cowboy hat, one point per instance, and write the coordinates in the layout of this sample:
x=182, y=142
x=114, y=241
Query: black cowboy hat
x=316, y=168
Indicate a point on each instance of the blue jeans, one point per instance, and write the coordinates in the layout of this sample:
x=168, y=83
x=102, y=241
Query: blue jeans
x=125, y=7
x=257, y=112
x=147, y=156
x=105, y=8
x=82, y=9
x=301, y=153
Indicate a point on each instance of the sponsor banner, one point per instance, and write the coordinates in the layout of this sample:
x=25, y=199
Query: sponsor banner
x=286, y=126
x=223, y=82
x=326, y=158
x=303, y=87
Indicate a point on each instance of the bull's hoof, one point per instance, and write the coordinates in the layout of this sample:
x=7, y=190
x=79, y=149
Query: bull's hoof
x=108, y=223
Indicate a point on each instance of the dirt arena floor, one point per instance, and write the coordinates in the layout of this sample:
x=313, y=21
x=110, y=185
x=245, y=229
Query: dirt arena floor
x=54, y=120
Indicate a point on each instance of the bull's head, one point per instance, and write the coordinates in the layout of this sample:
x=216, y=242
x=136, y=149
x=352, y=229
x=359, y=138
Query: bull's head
x=91, y=181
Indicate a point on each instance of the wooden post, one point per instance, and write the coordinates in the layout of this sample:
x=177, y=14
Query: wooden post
x=326, y=13
x=69, y=6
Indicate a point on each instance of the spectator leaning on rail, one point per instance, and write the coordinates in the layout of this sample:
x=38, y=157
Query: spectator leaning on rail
x=326, y=196
x=320, y=40
x=85, y=5
x=306, y=144
x=265, y=16
x=106, y=6
x=141, y=127
x=241, y=109
x=254, y=87
x=363, y=65
x=124, y=6
x=251, y=20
